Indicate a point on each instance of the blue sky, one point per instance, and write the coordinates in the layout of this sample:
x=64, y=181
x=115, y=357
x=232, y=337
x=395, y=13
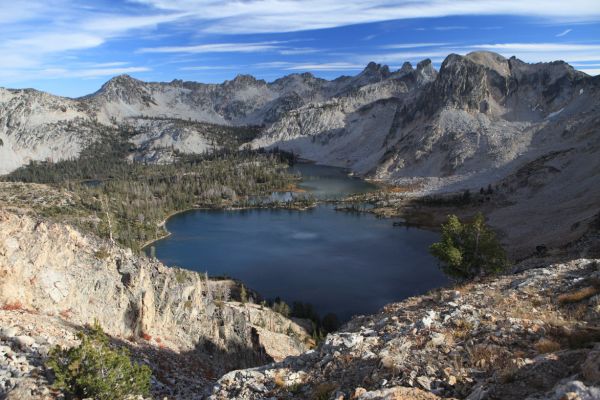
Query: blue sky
x=70, y=47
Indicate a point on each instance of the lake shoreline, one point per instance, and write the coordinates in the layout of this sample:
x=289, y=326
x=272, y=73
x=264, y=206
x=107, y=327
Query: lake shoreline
x=164, y=222
x=325, y=258
x=306, y=257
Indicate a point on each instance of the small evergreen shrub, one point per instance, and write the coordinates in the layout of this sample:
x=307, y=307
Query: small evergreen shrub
x=282, y=308
x=469, y=249
x=94, y=370
x=243, y=295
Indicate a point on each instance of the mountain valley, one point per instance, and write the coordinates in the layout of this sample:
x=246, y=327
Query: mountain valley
x=88, y=184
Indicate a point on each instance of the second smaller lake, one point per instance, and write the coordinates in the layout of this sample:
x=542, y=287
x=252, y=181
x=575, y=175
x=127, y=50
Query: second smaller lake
x=325, y=182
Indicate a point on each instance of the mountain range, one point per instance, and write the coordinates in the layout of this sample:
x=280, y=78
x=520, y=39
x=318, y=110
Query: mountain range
x=479, y=112
x=530, y=130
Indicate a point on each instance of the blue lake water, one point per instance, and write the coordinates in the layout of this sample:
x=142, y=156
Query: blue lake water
x=345, y=263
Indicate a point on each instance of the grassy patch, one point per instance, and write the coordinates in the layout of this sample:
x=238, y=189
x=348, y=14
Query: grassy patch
x=545, y=345
x=578, y=295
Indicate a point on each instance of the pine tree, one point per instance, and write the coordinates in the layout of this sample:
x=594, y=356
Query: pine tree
x=467, y=250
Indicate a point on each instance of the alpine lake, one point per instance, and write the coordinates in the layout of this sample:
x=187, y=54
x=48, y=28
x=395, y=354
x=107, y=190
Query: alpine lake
x=346, y=263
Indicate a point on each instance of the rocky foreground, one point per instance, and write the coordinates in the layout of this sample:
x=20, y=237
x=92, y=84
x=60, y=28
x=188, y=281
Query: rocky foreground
x=533, y=335
x=187, y=328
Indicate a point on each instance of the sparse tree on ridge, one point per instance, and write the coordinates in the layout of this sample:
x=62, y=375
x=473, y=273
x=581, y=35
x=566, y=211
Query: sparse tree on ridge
x=467, y=250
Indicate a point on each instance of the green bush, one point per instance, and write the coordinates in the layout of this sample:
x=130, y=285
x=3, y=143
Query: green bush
x=94, y=370
x=467, y=250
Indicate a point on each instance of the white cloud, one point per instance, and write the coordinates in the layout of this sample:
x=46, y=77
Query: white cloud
x=39, y=34
x=563, y=33
x=90, y=73
x=207, y=68
x=556, y=47
x=542, y=52
x=591, y=71
x=117, y=24
x=450, y=28
x=99, y=72
x=310, y=66
x=107, y=64
x=334, y=66
x=585, y=65
x=413, y=45
x=55, y=42
x=215, y=48
x=16, y=11
x=299, y=51
x=261, y=16
x=274, y=64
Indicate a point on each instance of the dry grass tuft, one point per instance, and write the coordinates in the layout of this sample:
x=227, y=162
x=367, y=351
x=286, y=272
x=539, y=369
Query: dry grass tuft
x=578, y=295
x=462, y=329
x=279, y=382
x=489, y=356
x=323, y=391
x=544, y=346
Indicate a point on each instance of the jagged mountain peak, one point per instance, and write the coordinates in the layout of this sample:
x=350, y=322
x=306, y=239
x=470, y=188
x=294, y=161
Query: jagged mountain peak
x=121, y=80
x=372, y=73
x=406, y=67
x=245, y=80
x=376, y=70
x=425, y=71
x=122, y=87
x=406, y=70
x=553, y=70
x=491, y=60
x=306, y=77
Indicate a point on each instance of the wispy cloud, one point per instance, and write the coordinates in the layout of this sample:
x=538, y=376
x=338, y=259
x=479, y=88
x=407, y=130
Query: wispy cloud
x=37, y=34
x=89, y=73
x=299, y=51
x=334, y=66
x=262, y=16
x=450, y=28
x=591, y=71
x=325, y=66
x=53, y=38
x=216, y=48
x=563, y=33
x=413, y=45
x=537, y=46
x=209, y=68
x=536, y=52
